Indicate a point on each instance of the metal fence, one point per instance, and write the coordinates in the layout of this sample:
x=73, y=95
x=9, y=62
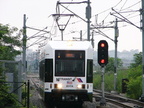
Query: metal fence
x=11, y=77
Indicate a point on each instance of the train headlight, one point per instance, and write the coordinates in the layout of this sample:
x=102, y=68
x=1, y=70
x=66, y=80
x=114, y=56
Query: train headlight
x=58, y=86
x=81, y=86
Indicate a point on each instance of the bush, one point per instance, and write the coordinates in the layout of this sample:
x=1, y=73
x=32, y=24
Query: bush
x=97, y=81
x=135, y=82
x=109, y=80
x=135, y=88
x=6, y=99
x=122, y=74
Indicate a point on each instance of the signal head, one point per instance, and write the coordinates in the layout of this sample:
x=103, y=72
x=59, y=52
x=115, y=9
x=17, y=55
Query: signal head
x=102, y=53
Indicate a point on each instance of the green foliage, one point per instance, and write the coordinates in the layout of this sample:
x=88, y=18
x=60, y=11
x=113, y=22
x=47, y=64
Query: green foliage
x=109, y=80
x=135, y=88
x=135, y=82
x=133, y=74
x=122, y=74
x=9, y=41
x=137, y=60
x=97, y=80
x=5, y=97
x=110, y=65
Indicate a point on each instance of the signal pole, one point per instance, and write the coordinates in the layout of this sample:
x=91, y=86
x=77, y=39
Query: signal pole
x=103, y=101
x=102, y=60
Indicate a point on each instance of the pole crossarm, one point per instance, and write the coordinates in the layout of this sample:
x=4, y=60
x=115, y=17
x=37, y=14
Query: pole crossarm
x=102, y=33
x=71, y=2
x=101, y=27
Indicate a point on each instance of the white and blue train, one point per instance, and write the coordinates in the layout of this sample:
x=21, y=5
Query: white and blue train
x=66, y=72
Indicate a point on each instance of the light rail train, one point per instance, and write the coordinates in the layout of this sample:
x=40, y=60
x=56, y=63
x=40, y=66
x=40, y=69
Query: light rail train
x=66, y=72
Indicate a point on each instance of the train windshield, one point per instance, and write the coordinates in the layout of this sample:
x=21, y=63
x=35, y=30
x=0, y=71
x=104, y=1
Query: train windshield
x=69, y=63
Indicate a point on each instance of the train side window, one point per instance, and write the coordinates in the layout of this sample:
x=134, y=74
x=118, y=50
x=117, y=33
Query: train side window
x=42, y=70
x=89, y=71
x=49, y=70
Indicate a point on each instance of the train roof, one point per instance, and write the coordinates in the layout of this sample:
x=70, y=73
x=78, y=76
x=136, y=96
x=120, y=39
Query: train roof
x=48, y=50
x=68, y=45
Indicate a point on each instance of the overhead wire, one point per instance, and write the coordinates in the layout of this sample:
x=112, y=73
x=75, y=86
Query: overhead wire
x=131, y=6
x=108, y=9
x=130, y=15
x=96, y=15
x=123, y=4
x=121, y=9
x=37, y=41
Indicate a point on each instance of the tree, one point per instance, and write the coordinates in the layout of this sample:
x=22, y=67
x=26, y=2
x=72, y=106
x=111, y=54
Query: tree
x=135, y=77
x=135, y=82
x=137, y=60
x=110, y=65
x=9, y=41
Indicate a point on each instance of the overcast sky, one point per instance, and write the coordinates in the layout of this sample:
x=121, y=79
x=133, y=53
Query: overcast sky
x=39, y=15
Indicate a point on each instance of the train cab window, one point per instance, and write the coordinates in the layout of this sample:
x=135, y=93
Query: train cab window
x=69, y=63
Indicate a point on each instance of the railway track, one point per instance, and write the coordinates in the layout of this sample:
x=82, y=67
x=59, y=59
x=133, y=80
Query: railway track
x=35, y=98
x=113, y=100
x=118, y=100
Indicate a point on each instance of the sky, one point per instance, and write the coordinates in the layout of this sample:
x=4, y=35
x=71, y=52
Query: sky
x=39, y=15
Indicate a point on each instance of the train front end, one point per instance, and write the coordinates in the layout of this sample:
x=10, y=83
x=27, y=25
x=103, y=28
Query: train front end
x=71, y=73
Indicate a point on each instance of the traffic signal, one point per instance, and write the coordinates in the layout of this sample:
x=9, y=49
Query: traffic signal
x=102, y=53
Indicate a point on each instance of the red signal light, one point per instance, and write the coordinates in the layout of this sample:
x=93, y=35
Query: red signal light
x=102, y=61
x=102, y=45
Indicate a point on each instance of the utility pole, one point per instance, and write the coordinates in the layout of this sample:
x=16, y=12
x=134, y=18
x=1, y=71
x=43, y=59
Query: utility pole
x=142, y=12
x=115, y=62
x=92, y=40
x=88, y=16
x=24, y=47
